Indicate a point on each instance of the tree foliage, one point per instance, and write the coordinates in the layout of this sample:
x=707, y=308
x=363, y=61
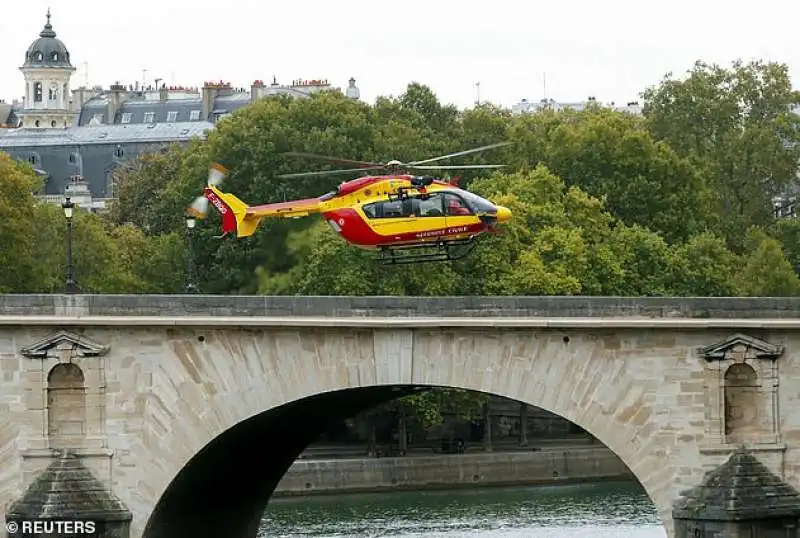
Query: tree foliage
x=739, y=128
x=17, y=225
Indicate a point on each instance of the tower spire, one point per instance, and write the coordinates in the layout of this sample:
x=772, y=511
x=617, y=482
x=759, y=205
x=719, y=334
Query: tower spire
x=48, y=28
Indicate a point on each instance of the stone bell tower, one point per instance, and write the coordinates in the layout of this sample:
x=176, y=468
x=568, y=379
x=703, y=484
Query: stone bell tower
x=47, y=71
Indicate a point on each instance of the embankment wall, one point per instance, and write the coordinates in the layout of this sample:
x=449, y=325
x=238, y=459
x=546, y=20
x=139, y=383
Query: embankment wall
x=547, y=466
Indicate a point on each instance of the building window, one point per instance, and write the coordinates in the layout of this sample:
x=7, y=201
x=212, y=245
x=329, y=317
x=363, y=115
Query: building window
x=37, y=92
x=126, y=117
x=172, y=115
x=54, y=57
x=53, y=123
x=149, y=117
x=118, y=153
x=96, y=119
x=52, y=94
x=194, y=115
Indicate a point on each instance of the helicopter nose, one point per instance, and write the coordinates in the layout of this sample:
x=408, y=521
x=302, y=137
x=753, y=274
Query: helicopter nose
x=503, y=214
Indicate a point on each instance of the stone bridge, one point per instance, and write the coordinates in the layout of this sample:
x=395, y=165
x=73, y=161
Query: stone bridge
x=189, y=409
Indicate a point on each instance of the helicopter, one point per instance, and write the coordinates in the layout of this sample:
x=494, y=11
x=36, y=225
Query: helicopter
x=405, y=217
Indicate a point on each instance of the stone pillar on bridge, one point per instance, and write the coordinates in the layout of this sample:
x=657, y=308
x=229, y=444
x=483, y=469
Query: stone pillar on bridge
x=739, y=499
x=66, y=491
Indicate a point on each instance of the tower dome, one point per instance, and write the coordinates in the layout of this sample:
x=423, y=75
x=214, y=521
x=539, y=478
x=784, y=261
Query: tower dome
x=48, y=50
x=47, y=71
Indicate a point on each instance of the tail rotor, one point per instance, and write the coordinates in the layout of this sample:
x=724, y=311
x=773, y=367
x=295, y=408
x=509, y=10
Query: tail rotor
x=216, y=175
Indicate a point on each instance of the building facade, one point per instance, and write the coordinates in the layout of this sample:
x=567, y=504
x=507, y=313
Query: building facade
x=526, y=106
x=76, y=139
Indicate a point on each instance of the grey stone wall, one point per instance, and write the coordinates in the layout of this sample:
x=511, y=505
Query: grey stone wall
x=475, y=470
x=501, y=307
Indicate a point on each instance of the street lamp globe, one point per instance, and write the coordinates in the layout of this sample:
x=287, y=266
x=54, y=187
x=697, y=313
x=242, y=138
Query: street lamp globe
x=190, y=221
x=67, y=205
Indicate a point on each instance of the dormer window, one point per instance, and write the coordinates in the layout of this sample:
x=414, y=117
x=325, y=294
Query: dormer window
x=38, y=56
x=54, y=56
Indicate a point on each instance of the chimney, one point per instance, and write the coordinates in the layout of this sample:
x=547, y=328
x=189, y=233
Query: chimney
x=210, y=92
x=116, y=96
x=256, y=91
x=163, y=92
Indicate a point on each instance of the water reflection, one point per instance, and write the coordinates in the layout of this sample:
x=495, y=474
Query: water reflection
x=621, y=510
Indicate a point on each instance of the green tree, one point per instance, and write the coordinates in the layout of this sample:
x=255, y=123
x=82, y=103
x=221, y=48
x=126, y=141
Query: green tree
x=153, y=264
x=422, y=100
x=738, y=128
x=611, y=155
x=787, y=231
x=96, y=258
x=142, y=189
x=18, y=254
x=765, y=271
x=703, y=266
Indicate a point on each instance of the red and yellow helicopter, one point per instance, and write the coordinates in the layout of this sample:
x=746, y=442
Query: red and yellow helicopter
x=392, y=213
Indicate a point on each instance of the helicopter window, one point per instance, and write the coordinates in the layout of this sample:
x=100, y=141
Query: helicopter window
x=455, y=206
x=478, y=204
x=428, y=206
x=388, y=209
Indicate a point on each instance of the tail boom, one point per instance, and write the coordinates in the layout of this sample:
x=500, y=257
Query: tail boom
x=241, y=219
x=294, y=209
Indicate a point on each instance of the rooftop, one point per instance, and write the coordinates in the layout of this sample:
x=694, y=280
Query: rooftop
x=67, y=489
x=104, y=134
x=740, y=489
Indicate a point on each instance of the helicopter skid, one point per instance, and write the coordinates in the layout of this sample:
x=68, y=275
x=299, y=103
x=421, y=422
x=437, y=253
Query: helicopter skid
x=426, y=252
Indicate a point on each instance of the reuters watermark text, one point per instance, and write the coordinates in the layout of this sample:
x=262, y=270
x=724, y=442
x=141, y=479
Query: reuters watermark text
x=54, y=527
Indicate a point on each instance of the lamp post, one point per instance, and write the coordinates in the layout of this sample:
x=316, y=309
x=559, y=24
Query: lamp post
x=71, y=285
x=191, y=287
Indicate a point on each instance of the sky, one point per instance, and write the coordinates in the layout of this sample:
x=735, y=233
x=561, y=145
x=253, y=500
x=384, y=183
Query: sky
x=566, y=51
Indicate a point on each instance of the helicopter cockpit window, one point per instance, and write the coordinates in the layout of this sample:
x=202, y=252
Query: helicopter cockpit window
x=455, y=206
x=478, y=204
x=428, y=206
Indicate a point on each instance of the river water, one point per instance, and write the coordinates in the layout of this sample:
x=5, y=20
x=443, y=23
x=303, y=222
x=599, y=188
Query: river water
x=603, y=510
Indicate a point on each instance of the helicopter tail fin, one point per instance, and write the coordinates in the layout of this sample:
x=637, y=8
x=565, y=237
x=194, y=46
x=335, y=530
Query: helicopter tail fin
x=233, y=211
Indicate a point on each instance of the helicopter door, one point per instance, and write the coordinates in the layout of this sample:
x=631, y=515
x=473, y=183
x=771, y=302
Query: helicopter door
x=428, y=210
x=390, y=217
x=459, y=215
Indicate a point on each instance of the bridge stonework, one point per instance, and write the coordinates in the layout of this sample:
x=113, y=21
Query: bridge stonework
x=136, y=386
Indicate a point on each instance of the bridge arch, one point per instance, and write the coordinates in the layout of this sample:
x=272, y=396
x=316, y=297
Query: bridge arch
x=214, y=423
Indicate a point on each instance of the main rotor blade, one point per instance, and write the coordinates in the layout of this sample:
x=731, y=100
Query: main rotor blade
x=329, y=172
x=459, y=153
x=330, y=159
x=457, y=167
